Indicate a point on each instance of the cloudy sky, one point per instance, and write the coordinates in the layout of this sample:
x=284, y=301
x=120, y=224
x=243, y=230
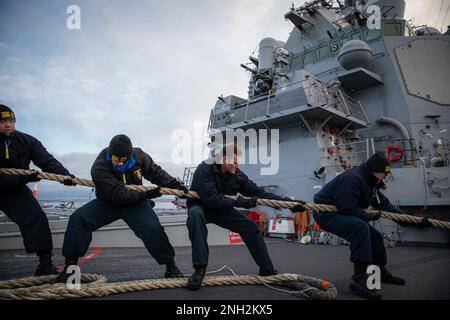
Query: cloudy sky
x=142, y=67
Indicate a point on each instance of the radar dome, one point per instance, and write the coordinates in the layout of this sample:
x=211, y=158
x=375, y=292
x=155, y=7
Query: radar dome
x=355, y=54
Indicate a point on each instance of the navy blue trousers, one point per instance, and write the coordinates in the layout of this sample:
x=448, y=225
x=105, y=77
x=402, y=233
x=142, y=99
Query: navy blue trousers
x=232, y=220
x=24, y=210
x=366, y=243
x=98, y=213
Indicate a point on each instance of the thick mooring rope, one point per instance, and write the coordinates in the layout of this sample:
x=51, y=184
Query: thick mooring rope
x=264, y=202
x=311, y=288
x=43, y=280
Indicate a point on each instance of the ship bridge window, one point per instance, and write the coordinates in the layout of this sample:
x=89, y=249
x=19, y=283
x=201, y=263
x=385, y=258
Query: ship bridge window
x=331, y=48
x=308, y=57
x=393, y=28
x=323, y=52
x=371, y=34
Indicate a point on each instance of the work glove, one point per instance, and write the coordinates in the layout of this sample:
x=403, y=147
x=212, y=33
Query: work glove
x=32, y=177
x=180, y=186
x=372, y=216
x=298, y=207
x=69, y=182
x=242, y=202
x=153, y=193
x=424, y=223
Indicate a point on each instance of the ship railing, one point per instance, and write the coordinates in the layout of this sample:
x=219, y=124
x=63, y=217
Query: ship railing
x=357, y=152
x=272, y=99
x=274, y=106
x=345, y=155
x=324, y=95
x=352, y=106
x=316, y=92
x=409, y=147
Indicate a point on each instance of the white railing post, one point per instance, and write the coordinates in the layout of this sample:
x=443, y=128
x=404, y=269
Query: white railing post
x=268, y=103
x=246, y=110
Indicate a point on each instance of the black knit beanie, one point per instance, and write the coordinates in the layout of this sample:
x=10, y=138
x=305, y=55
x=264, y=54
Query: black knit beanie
x=6, y=113
x=120, y=146
x=379, y=163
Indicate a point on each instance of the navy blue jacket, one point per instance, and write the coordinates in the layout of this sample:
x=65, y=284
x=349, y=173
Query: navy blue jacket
x=23, y=149
x=354, y=190
x=212, y=185
x=110, y=185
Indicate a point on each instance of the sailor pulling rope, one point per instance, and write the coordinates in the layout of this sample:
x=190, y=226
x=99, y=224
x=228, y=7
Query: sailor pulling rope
x=264, y=202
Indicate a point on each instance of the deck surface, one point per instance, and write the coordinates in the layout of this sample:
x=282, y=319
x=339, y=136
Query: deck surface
x=425, y=269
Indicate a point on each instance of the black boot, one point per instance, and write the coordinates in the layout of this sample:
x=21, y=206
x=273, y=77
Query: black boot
x=388, y=277
x=63, y=276
x=172, y=271
x=45, y=267
x=358, y=283
x=268, y=272
x=195, y=280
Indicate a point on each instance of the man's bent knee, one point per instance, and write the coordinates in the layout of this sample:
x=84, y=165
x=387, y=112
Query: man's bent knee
x=196, y=213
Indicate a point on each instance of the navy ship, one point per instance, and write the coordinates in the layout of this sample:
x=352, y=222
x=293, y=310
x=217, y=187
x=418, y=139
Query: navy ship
x=352, y=77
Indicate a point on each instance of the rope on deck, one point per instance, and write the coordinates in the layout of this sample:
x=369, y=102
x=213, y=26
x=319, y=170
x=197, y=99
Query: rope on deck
x=311, y=288
x=265, y=202
x=37, y=281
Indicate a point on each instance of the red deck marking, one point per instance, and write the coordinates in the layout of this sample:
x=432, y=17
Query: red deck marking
x=234, y=237
x=94, y=252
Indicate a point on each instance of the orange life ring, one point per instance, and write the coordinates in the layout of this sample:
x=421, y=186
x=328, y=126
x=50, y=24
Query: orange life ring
x=398, y=152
